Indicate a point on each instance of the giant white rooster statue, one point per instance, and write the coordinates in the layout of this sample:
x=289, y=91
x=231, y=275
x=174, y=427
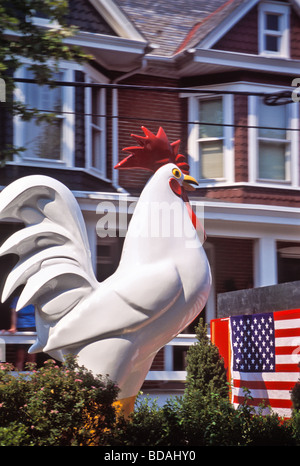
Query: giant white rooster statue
x=162, y=283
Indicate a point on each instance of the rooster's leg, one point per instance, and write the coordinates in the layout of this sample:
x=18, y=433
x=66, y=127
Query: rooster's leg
x=125, y=406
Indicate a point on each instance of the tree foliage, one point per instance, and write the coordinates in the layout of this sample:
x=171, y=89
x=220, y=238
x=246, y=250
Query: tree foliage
x=22, y=38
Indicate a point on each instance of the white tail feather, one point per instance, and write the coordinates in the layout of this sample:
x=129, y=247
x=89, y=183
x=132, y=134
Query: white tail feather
x=55, y=264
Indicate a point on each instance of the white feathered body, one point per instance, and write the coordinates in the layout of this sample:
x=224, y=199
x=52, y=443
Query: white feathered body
x=117, y=326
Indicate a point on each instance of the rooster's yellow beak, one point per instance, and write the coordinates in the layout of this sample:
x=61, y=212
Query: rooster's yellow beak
x=187, y=181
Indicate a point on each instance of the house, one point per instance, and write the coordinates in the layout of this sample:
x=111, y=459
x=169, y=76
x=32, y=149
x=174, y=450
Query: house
x=201, y=70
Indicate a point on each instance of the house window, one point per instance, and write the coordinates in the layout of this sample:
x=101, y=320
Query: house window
x=273, y=145
x=273, y=29
x=95, y=125
x=211, y=138
x=45, y=141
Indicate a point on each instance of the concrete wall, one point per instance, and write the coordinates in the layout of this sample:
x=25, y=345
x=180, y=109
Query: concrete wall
x=257, y=300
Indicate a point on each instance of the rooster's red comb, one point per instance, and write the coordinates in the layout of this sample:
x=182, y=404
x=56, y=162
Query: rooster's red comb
x=153, y=152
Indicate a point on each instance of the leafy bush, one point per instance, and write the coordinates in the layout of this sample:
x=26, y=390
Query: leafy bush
x=146, y=426
x=196, y=420
x=55, y=405
x=295, y=395
x=68, y=405
x=295, y=426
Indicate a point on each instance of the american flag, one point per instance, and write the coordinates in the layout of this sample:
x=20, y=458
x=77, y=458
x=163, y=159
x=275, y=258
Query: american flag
x=262, y=354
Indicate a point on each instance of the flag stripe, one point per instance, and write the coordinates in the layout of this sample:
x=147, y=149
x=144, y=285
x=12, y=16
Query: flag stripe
x=288, y=341
x=287, y=350
x=282, y=412
x=287, y=332
x=289, y=323
x=267, y=395
x=287, y=359
x=268, y=402
x=287, y=368
x=267, y=376
x=257, y=384
x=284, y=315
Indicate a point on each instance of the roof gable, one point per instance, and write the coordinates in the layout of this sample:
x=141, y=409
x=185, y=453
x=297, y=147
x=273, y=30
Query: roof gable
x=87, y=18
x=102, y=17
x=227, y=14
x=208, y=32
x=243, y=36
x=117, y=19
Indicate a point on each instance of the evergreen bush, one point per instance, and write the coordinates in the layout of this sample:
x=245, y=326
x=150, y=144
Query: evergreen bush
x=205, y=368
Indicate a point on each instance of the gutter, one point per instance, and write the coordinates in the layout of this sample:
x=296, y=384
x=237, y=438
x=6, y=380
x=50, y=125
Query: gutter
x=235, y=60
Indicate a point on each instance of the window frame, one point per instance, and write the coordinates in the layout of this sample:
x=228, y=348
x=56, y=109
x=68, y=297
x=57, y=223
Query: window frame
x=228, y=138
x=68, y=126
x=292, y=138
x=202, y=140
x=283, y=12
x=90, y=77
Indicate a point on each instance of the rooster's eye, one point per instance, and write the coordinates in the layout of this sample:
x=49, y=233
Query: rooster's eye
x=176, y=173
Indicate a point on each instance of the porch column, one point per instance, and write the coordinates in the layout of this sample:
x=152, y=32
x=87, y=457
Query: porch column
x=168, y=357
x=265, y=262
x=90, y=223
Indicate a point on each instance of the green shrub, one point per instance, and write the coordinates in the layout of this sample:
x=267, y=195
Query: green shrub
x=55, y=405
x=295, y=426
x=207, y=420
x=68, y=405
x=205, y=368
x=194, y=420
x=144, y=427
x=295, y=395
x=14, y=435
